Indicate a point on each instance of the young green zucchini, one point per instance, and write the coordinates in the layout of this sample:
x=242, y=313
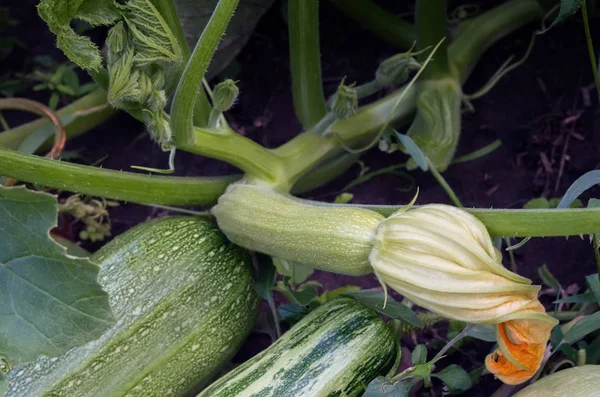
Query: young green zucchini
x=334, y=351
x=184, y=300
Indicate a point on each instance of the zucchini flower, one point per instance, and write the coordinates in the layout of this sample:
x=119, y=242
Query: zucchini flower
x=443, y=259
x=440, y=257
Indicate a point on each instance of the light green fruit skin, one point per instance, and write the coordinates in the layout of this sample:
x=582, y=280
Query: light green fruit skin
x=184, y=300
x=335, y=239
x=573, y=382
x=334, y=351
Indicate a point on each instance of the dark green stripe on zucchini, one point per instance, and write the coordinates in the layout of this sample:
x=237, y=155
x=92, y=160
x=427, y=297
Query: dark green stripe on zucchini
x=183, y=296
x=334, y=351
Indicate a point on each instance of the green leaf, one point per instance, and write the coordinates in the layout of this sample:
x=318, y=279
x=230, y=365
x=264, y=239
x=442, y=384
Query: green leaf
x=580, y=298
x=58, y=14
x=241, y=26
x=380, y=388
x=49, y=302
x=582, y=328
x=537, y=204
x=292, y=313
x=413, y=150
x=297, y=272
x=302, y=296
x=581, y=184
x=71, y=248
x=374, y=299
x=266, y=277
x=594, y=283
x=419, y=355
x=482, y=332
x=455, y=378
x=482, y=152
x=548, y=278
x=567, y=8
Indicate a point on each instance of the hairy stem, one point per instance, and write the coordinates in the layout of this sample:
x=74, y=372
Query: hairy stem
x=118, y=185
x=190, y=84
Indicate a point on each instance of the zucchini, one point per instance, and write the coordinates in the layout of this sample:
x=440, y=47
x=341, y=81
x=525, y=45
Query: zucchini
x=336, y=350
x=184, y=301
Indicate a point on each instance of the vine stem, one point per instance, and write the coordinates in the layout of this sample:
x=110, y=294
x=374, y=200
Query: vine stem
x=305, y=61
x=444, y=184
x=590, y=46
x=60, y=136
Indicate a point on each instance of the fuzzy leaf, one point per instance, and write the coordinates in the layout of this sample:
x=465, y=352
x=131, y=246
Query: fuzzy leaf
x=58, y=14
x=49, y=302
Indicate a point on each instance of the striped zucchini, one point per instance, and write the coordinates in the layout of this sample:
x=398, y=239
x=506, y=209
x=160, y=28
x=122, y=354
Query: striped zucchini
x=184, y=300
x=334, y=351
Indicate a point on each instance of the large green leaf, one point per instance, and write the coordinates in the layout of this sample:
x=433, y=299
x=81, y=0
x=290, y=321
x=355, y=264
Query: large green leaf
x=49, y=302
x=194, y=15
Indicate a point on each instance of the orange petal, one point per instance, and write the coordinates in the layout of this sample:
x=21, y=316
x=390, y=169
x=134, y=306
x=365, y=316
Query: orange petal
x=520, y=352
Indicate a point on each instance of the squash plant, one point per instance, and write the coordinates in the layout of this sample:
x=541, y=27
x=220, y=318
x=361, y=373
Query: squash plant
x=148, y=71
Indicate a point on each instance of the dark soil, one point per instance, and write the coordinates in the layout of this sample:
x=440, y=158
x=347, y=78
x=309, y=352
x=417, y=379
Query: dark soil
x=538, y=111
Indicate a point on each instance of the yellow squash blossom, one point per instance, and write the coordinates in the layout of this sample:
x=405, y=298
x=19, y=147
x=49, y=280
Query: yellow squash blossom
x=443, y=259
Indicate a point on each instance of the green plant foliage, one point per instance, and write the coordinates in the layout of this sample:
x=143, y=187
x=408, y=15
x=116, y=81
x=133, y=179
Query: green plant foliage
x=375, y=299
x=581, y=184
x=568, y=8
x=455, y=378
x=581, y=329
x=380, y=387
x=50, y=302
x=58, y=14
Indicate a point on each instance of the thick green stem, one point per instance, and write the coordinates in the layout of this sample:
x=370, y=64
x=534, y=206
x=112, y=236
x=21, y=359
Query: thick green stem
x=432, y=27
x=168, y=11
x=305, y=61
x=259, y=164
x=190, y=84
x=527, y=223
x=384, y=24
x=302, y=152
x=77, y=118
x=477, y=35
x=118, y=185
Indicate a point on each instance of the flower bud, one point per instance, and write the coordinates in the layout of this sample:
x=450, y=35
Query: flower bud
x=117, y=40
x=225, y=95
x=443, y=259
x=395, y=70
x=345, y=101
